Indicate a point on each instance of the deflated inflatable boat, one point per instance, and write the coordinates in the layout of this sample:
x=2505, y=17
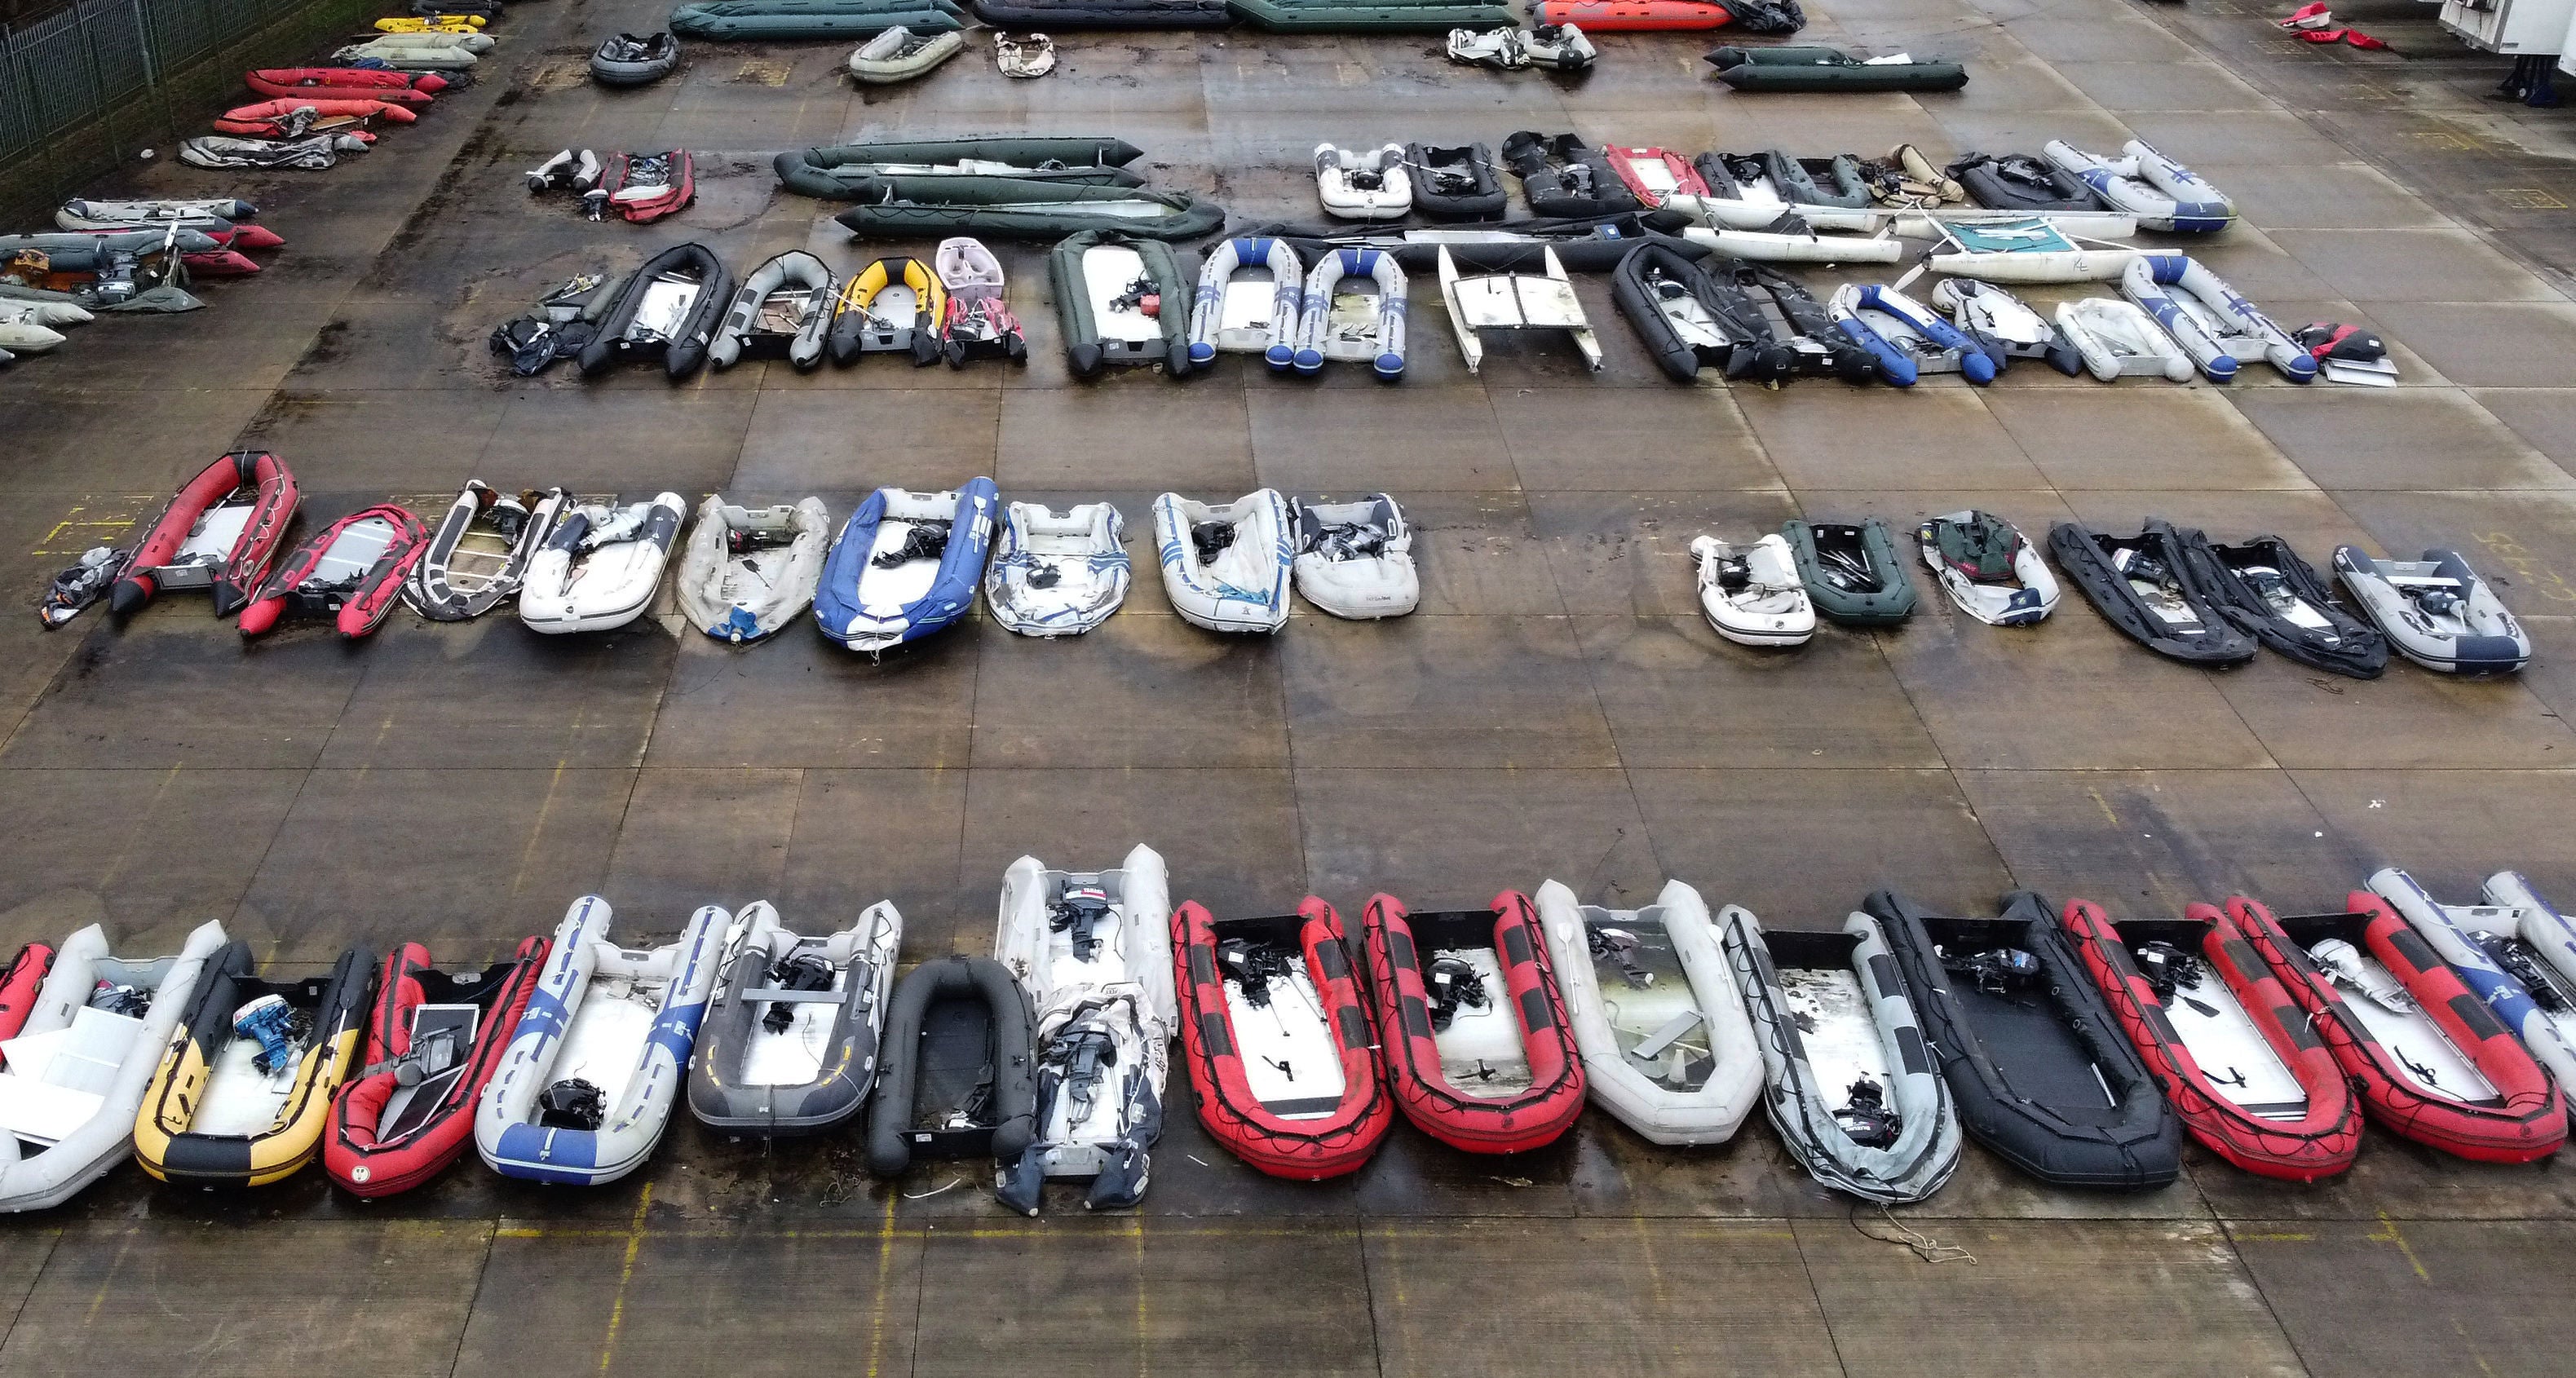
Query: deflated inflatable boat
x=433, y=1042
x=2137, y=584
x=2264, y=588
x=749, y=571
x=244, y=1089
x=1477, y=1047
x=1988, y=568
x=906, y=566
x=955, y=1079
x=789, y=1042
x=1667, y=1047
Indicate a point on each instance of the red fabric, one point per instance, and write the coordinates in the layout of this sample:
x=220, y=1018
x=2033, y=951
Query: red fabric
x=19, y=984
x=1517, y=1124
x=1686, y=179
x=1634, y=16
x=352, y=1154
x=365, y=82
x=365, y=606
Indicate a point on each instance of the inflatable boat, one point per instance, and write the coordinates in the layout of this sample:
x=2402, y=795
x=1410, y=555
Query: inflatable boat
x=789, y=1042
x=2436, y=611
x=480, y=551
x=27, y=327
x=293, y=117
x=1084, y=15
x=1801, y=340
x=1853, y=574
x=1455, y=182
x=1355, y=559
x=956, y=1078
x=892, y=306
x=1989, y=569
x=2427, y=1057
x=2118, y=339
x=1635, y=16
x=1830, y=70
x=915, y=207
x=1474, y=1028
x=417, y=89
x=2264, y=588
x=2513, y=949
x=1545, y=300
x=441, y=53
x=2220, y=330
x=1275, y=1033
x=1753, y=191
x=2040, y=1072
x=1093, y=949
x=2137, y=584
x=317, y=153
x=783, y=308
x=1651, y=174
x=1345, y=17
x=785, y=21
x=595, y=1067
x=643, y=187
x=1667, y=1048
x=1854, y=1091
x=1371, y=185
x=1250, y=296
x=1353, y=312
x=433, y=1042
x=351, y=571
x=668, y=311
x=1563, y=175
x=1057, y=573
x=244, y=1088
x=846, y=171
x=2020, y=182
x=899, y=55
x=1686, y=317
x=2163, y=194
x=220, y=533
x=627, y=59
x=2004, y=326
x=19, y=982
x=748, y=571
x=1752, y=594
x=979, y=319
x=1118, y=298
x=80, y=1050
x=1907, y=339
x=906, y=565
x=1226, y=566
x=2222, y=1037
x=599, y=567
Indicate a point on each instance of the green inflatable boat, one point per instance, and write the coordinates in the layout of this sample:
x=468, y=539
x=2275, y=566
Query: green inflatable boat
x=780, y=20
x=1020, y=208
x=835, y=173
x=1854, y=574
x=1381, y=16
x=1828, y=69
x=1122, y=301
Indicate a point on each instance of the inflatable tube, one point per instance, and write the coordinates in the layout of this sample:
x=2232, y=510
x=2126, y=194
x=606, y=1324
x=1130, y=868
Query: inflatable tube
x=956, y=1079
x=2003, y=325
x=1512, y=1022
x=269, y=118
x=416, y=89
x=215, y=1114
x=2436, y=611
x=1455, y=182
x=433, y=1042
x=1057, y=573
x=748, y=572
x=1361, y=327
x=1118, y=299
x=880, y=589
x=1853, y=574
x=1908, y=340
x=352, y=571
x=1828, y=70
x=785, y=21
x=629, y=60
x=1019, y=16
x=1374, y=185
x=1223, y=320
x=794, y=327
x=2138, y=585
x=248, y=494
x=644, y=187
x=2515, y=952
x=1667, y=1047
x=2262, y=586
x=1634, y=16
x=2030, y=1051
x=1834, y=181
x=480, y=550
x=907, y=207
x=681, y=348
x=2117, y=339
x=2220, y=330
x=1226, y=566
x=1561, y=175
x=842, y=172
x=1685, y=317
x=2163, y=194
x=1651, y=174
x=789, y=1042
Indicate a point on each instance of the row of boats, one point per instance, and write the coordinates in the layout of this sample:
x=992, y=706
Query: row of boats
x=904, y=566
x=2080, y=1048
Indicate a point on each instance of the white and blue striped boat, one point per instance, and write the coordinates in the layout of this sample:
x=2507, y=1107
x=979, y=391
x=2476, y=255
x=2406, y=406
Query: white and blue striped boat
x=1226, y=565
x=1057, y=573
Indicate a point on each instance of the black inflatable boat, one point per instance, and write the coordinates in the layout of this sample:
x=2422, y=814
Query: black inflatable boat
x=668, y=310
x=1809, y=343
x=2041, y=1073
x=2263, y=587
x=1563, y=175
x=2021, y=182
x=955, y=1076
x=2137, y=583
x=1688, y=319
x=1455, y=182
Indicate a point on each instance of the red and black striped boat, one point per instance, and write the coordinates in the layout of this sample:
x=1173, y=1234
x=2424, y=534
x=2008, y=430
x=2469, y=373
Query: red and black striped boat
x=353, y=572
x=433, y=1040
x=1477, y=1047
x=220, y=533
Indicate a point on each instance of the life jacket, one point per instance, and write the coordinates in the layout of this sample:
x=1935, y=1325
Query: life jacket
x=1981, y=547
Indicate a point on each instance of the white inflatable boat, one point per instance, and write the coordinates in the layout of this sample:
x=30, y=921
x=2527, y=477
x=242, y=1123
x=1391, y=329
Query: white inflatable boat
x=749, y=571
x=1057, y=573
x=1249, y=297
x=600, y=565
x=2219, y=329
x=2119, y=340
x=1752, y=594
x=598, y=1062
x=73, y=1079
x=2436, y=611
x=1355, y=559
x=1989, y=568
x=2163, y=194
x=1363, y=186
x=2516, y=952
x=1353, y=312
x=1226, y=566
x=2004, y=325
x=1094, y=951
x=1666, y=1045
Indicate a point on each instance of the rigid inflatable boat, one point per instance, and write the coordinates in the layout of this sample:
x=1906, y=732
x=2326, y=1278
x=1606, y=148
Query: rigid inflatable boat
x=1988, y=568
x=2217, y=1030
x=1563, y=175
x=1907, y=339
x=1752, y=593
x=480, y=551
x=2162, y=193
x=1455, y=182
x=1250, y=298
x=1544, y=300
x=2004, y=325
x=783, y=308
x=2264, y=588
x=244, y=1088
x=789, y=1042
x=748, y=571
x=847, y=171
x=2117, y=339
x=2040, y=1072
x=1355, y=559
x=2425, y=1054
x=1853, y=574
x=899, y=54
x=1057, y=573
x=1652, y=174
x=1275, y=1033
x=979, y=319
x=85, y=1044
x=599, y=566
x=1093, y=949
x=352, y=571
x=667, y=311
x=1118, y=298
x=627, y=59
x=1830, y=70
x=2436, y=611
x=2020, y=182
x=1473, y=1026
x=1371, y=185
x=892, y=306
x=1226, y=566
x=914, y=207
x=2137, y=584
x=219, y=533
x=433, y=1042
x=1687, y=318
x=415, y=89
x=906, y=565
x=595, y=1067
x=1666, y=1045
x=2514, y=950
x=956, y=1077
x=1854, y=1091
x=1353, y=312
x=2220, y=330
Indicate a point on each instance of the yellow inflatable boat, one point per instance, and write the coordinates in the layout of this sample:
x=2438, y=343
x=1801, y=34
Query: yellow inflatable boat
x=243, y=1094
x=445, y=23
x=893, y=305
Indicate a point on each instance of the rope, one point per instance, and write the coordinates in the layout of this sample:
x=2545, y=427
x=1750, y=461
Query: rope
x=1925, y=1247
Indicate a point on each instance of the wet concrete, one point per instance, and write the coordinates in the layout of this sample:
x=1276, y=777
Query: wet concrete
x=1557, y=709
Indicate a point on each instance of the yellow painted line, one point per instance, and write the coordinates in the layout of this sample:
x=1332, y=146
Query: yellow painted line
x=885, y=1270
x=1144, y=1326
x=625, y=1275
x=537, y=831
x=2528, y=199
x=2279, y=1237
x=86, y=525
x=2390, y=1234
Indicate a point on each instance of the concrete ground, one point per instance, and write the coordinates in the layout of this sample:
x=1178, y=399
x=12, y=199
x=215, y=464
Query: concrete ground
x=1556, y=709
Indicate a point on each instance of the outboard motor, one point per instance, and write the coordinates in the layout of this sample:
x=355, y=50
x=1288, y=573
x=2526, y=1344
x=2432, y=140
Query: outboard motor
x=2167, y=968
x=1079, y=914
x=807, y=972
x=1868, y=1119
x=272, y=1021
x=572, y=1104
x=1452, y=984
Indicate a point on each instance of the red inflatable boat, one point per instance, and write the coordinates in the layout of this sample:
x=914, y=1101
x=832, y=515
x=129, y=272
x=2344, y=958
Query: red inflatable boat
x=2220, y=1034
x=282, y=118
x=220, y=533
x=1655, y=173
x=1271, y=1015
x=1477, y=1048
x=226, y=262
x=433, y=1041
x=1634, y=16
x=19, y=984
x=2404, y=1049
x=353, y=571
x=367, y=83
